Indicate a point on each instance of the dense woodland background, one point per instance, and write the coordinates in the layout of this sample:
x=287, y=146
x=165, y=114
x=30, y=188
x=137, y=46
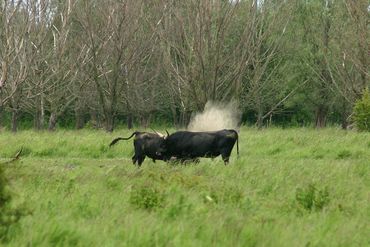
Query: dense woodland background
x=72, y=63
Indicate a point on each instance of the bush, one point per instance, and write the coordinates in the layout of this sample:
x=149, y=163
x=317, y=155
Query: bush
x=361, y=112
x=4, y=201
x=147, y=197
x=311, y=198
x=8, y=216
x=178, y=208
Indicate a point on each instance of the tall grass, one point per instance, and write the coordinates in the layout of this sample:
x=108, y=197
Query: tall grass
x=295, y=187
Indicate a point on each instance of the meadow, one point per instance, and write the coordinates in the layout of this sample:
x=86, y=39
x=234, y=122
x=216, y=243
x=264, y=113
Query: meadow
x=289, y=187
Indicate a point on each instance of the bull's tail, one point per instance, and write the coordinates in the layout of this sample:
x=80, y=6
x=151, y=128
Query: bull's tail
x=237, y=146
x=122, y=138
x=237, y=142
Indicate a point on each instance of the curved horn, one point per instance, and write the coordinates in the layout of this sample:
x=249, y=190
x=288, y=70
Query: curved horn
x=168, y=134
x=161, y=135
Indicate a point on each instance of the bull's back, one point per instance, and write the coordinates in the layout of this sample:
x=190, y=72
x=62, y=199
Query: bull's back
x=209, y=143
x=192, y=144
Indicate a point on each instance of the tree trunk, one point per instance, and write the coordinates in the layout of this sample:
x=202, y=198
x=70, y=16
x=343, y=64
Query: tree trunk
x=174, y=116
x=320, y=118
x=1, y=117
x=130, y=118
x=344, y=115
x=344, y=124
x=80, y=121
x=181, y=119
x=145, y=120
x=36, y=122
x=52, y=121
x=259, y=122
x=39, y=120
x=259, y=119
x=109, y=122
x=42, y=112
x=184, y=119
x=14, y=122
x=109, y=115
x=95, y=121
x=129, y=121
x=322, y=107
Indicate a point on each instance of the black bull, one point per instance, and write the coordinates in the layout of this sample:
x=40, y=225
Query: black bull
x=145, y=144
x=186, y=145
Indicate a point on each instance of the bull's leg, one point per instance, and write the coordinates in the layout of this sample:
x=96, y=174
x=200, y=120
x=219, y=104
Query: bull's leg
x=226, y=160
x=226, y=156
x=183, y=161
x=140, y=160
x=172, y=161
x=134, y=159
x=153, y=160
x=139, y=156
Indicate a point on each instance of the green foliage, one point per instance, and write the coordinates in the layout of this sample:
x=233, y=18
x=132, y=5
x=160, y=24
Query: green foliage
x=276, y=46
x=8, y=215
x=147, y=197
x=81, y=197
x=361, y=112
x=343, y=154
x=224, y=194
x=4, y=200
x=178, y=208
x=63, y=237
x=312, y=198
x=60, y=236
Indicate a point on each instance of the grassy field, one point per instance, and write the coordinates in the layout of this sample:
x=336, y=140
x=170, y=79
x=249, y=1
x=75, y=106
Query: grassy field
x=293, y=187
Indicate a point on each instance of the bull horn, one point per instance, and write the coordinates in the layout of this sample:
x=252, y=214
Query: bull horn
x=168, y=134
x=161, y=135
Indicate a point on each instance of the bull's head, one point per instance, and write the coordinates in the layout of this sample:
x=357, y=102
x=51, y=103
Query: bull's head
x=163, y=147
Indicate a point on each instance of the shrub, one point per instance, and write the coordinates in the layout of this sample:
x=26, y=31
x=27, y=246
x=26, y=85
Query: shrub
x=178, y=208
x=147, y=198
x=344, y=154
x=4, y=201
x=59, y=236
x=361, y=112
x=8, y=216
x=311, y=198
x=228, y=195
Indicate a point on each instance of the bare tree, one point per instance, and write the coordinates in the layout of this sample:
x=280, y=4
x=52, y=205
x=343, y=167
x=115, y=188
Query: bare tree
x=35, y=101
x=347, y=63
x=58, y=86
x=359, y=12
x=137, y=60
x=264, y=88
x=53, y=69
x=113, y=49
x=197, y=62
x=15, y=56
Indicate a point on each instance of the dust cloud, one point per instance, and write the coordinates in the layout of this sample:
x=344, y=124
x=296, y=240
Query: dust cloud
x=216, y=116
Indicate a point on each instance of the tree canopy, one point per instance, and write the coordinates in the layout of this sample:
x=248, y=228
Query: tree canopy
x=106, y=62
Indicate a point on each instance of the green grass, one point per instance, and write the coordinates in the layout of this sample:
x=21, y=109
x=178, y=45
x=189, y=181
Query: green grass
x=295, y=187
